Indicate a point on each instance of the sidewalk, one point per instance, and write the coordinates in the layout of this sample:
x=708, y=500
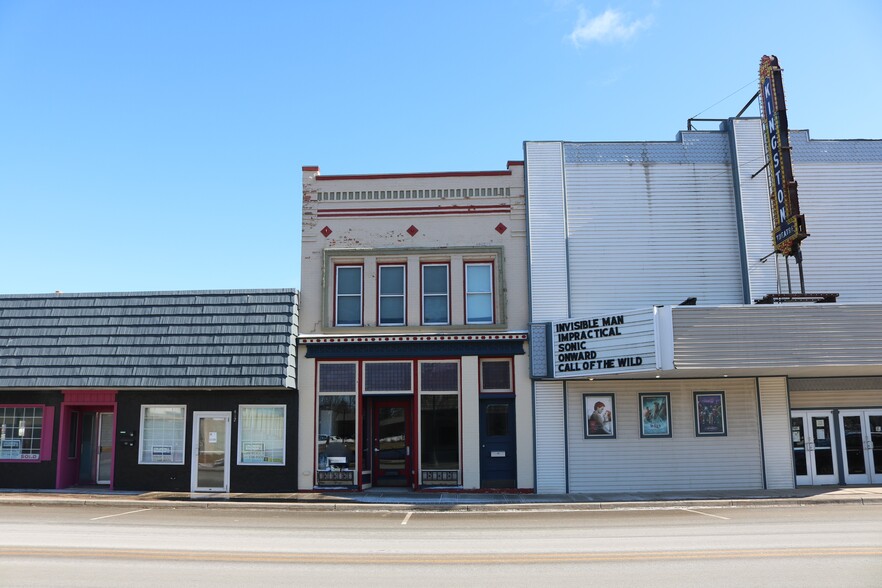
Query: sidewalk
x=402, y=500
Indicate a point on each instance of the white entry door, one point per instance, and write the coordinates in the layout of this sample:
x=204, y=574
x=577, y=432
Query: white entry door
x=104, y=448
x=861, y=436
x=211, y=452
x=812, y=439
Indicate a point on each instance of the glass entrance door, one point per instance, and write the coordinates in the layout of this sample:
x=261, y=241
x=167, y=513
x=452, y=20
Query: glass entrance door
x=861, y=435
x=211, y=451
x=104, y=457
x=811, y=435
x=392, y=443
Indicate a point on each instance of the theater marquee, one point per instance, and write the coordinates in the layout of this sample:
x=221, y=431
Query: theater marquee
x=602, y=345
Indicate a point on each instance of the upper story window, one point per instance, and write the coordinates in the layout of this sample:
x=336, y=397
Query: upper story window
x=391, y=295
x=436, y=294
x=348, y=296
x=479, y=293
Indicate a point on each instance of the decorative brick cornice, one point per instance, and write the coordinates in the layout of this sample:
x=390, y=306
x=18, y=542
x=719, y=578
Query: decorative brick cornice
x=314, y=340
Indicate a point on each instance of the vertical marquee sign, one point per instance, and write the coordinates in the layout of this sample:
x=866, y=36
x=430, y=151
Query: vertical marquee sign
x=788, y=226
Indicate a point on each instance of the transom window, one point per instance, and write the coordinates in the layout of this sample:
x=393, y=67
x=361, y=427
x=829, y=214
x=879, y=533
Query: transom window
x=348, y=296
x=392, y=286
x=496, y=375
x=479, y=293
x=439, y=376
x=436, y=294
x=381, y=377
x=337, y=377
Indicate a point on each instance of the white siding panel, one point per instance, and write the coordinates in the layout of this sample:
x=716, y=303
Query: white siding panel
x=682, y=462
x=836, y=399
x=755, y=208
x=842, y=204
x=548, y=244
x=776, y=433
x=550, y=442
x=642, y=234
x=751, y=336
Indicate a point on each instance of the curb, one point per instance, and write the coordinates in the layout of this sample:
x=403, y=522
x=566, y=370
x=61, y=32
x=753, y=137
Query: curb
x=441, y=507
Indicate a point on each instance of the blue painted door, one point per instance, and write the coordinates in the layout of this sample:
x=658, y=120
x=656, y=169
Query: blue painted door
x=498, y=448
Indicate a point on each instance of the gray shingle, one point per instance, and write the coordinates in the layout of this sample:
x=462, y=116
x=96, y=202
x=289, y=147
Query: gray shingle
x=219, y=338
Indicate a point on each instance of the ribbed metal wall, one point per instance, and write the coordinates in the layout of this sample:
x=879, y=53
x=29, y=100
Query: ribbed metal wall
x=776, y=432
x=644, y=233
x=630, y=463
x=750, y=156
x=842, y=204
x=547, y=228
x=758, y=336
x=550, y=440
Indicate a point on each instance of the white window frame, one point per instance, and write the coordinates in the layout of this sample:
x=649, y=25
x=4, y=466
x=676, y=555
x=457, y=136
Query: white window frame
x=182, y=440
x=338, y=296
x=445, y=295
x=381, y=296
x=240, y=441
x=489, y=293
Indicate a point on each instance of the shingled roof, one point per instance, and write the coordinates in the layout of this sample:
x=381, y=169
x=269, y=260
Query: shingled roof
x=205, y=339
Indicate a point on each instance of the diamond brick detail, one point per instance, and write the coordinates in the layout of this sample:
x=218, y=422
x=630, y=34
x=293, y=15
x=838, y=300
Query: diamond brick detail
x=501, y=228
x=327, y=231
x=412, y=230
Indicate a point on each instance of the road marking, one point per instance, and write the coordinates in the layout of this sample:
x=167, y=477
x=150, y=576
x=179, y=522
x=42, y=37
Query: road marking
x=407, y=518
x=706, y=514
x=432, y=558
x=119, y=514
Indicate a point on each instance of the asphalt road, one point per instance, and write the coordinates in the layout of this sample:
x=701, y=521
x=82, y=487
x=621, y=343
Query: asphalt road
x=818, y=545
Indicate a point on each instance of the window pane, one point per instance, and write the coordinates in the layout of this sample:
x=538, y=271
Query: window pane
x=497, y=420
x=435, y=279
x=21, y=432
x=348, y=280
x=479, y=308
x=435, y=310
x=262, y=435
x=439, y=439
x=392, y=280
x=336, y=433
x=387, y=377
x=392, y=311
x=478, y=278
x=439, y=376
x=162, y=434
x=496, y=375
x=349, y=310
x=337, y=377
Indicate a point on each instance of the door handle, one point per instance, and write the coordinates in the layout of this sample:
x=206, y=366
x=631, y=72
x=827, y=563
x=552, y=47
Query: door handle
x=376, y=450
x=408, y=450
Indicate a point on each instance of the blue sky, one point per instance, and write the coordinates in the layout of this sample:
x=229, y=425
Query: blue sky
x=158, y=145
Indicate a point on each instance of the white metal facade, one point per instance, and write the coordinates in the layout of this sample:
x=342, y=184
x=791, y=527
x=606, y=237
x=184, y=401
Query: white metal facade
x=633, y=225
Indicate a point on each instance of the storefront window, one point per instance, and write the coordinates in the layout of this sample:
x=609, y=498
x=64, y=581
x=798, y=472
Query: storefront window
x=162, y=434
x=336, y=433
x=21, y=432
x=439, y=439
x=262, y=435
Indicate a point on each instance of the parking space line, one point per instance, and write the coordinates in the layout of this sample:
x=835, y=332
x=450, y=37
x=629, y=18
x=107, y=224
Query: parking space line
x=119, y=514
x=406, y=518
x=706, y=514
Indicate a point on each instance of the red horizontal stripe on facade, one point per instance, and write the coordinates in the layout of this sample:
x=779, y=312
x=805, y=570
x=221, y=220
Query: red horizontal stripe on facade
x=415, y=211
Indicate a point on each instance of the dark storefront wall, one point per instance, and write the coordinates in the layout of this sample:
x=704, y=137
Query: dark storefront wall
x=33, y=473
x=130, y=475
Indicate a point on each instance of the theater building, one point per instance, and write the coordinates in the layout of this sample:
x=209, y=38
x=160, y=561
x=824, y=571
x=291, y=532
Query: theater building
x=659, y=360
x=412, y=352
x=172, y=391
